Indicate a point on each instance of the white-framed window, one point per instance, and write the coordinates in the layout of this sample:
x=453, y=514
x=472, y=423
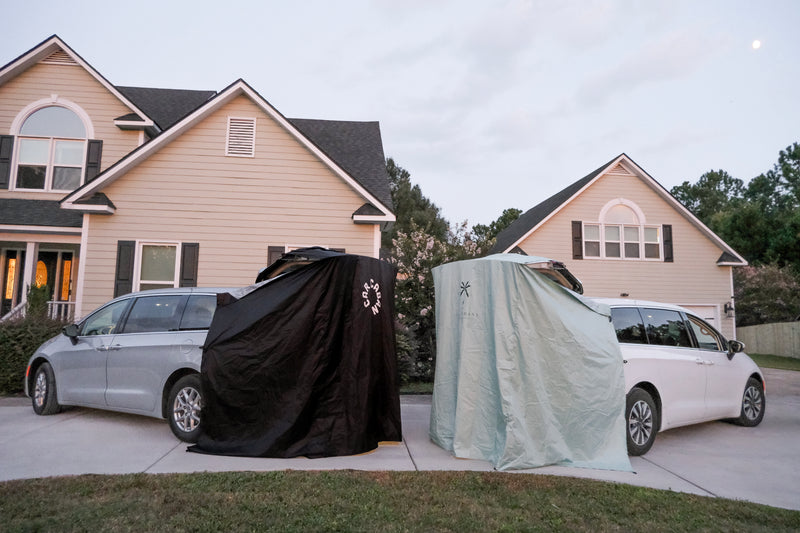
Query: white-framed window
x=50, y=150
x=157, y=265
x=622, y=234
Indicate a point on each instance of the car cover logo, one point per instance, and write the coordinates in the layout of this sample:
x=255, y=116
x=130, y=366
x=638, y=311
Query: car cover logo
x=464, y=288
x=372, y=296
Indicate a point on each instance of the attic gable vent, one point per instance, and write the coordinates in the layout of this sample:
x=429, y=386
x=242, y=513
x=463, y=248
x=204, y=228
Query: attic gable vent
x=59, y=57
x=619, y=169
x=241, y=137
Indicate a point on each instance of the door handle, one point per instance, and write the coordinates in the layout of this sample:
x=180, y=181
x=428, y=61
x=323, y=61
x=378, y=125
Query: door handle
x=108, y=348
x=706, y=362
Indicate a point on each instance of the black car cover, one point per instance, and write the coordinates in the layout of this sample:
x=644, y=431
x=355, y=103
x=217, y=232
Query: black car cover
x=304, y=365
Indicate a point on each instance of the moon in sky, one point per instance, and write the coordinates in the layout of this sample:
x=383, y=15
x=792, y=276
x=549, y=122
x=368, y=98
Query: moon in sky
x=756, y=44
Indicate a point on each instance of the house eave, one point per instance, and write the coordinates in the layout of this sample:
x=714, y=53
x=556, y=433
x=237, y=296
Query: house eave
x=88, y=208
x=39, y=230
x=372, y=219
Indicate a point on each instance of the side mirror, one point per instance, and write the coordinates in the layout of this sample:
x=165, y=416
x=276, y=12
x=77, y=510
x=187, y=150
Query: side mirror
x=71, y=331
x=734, y=347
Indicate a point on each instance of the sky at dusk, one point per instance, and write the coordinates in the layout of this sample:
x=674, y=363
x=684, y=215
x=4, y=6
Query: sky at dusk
x=488, y=104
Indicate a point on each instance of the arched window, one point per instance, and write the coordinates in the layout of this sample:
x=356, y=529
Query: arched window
x=52, y=150
x=622, y=233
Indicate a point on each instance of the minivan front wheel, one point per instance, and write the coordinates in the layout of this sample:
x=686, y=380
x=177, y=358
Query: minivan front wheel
x=44, y=397
x=753, y=404
x=641, y=417
x=184, y=404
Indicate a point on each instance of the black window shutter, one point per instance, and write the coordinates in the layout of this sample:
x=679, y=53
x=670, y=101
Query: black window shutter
x=274, y=253
x=123, y=280
x=190, y=255
x=668, y=256
x=6, y=149
x=94, y=153
x=577, y=239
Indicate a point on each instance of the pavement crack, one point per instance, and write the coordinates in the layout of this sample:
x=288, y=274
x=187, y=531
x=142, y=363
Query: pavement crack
x=680, y=477
x=146, y=470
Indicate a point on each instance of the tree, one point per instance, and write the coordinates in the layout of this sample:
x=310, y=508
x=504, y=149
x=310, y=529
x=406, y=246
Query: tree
x=411, y=207
x=788, y=167
x=761, y=220
x=715, y=191
x=766, y=293
x=416, y=254
x=486, y=235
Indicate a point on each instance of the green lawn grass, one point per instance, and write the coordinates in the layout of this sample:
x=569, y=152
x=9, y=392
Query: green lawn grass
x=775, y=361
x=367, y=501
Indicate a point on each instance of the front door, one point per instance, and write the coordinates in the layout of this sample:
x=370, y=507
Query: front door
x=13, y=268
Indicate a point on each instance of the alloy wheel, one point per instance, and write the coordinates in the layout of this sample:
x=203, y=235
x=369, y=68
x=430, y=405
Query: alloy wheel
x=640, y=423
x=186, y=409
x=752, y=402
x=40, y=389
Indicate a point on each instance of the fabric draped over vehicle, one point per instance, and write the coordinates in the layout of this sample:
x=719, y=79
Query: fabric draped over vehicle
x=528, y=373
x=304, y=365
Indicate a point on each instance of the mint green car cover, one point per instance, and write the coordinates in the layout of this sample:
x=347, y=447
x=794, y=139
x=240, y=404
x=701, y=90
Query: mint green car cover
x=528, y=373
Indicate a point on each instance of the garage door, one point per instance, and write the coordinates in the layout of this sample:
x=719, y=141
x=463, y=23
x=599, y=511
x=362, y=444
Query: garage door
x=709, y=313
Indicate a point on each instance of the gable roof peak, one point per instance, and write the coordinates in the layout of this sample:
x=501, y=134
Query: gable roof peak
x=369, y=179
x=529, y=221
x=56, y=48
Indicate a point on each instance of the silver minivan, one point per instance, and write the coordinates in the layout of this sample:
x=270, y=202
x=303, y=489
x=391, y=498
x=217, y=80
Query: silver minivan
x=139, y=353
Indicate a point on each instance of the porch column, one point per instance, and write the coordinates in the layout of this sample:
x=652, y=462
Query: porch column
x=29, y=276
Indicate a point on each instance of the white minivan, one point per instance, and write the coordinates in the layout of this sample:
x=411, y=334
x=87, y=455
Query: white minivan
x=679, y=370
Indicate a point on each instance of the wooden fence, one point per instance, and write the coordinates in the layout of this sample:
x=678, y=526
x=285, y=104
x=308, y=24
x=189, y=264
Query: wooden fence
x=781, y=338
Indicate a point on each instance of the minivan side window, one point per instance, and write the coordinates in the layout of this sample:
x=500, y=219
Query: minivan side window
x=106, y=320
x=666, y=328
x=199, y=311
x=707, y=337
x=628, y=325
x=155, y=313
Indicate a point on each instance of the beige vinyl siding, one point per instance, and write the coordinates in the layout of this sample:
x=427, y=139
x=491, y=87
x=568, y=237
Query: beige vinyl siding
x=72, y=83
x=692, y=279
x=234, y=207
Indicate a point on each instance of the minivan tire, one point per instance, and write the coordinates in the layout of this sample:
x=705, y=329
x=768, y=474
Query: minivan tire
x=641, y=421
x=44, y=396
x=753, y=404
x=184, y=403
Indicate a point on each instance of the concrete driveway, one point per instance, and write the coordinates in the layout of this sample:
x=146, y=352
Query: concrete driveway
x=759, y=464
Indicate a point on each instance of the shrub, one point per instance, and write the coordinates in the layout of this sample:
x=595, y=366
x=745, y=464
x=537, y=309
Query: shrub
x=18, y=340
x=37, y=301
x=765, y=294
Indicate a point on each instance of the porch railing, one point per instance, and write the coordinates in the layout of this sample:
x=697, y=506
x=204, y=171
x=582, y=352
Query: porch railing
x=15, y=313
x=63, y=311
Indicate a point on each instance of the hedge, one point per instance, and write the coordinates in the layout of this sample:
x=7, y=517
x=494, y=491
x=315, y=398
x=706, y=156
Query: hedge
x=18, y=340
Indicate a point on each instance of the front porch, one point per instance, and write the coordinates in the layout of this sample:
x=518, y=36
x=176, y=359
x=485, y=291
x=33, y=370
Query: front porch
x=55, y=267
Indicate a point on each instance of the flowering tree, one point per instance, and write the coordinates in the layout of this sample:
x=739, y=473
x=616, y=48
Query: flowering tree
x=415, y=254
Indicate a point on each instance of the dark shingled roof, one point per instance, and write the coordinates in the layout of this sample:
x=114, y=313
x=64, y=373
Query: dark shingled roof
x=727, y=257
x=356, y=147
x=19, y=212
x=165, y=106
x=528, y=220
